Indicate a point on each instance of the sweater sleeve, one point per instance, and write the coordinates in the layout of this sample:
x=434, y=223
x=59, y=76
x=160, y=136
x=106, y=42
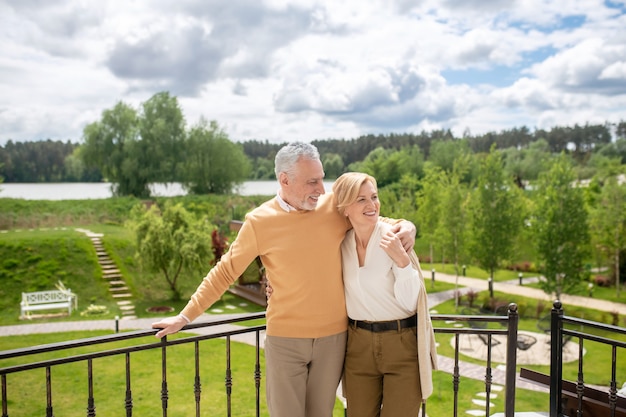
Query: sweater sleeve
x=230, y=267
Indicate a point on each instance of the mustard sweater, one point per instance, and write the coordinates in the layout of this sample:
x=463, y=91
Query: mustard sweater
x=301, y=253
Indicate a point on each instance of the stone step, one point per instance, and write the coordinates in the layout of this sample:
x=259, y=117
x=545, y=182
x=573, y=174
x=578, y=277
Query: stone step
x=123, y=295
x=115, y=289
x=116, y=283
x=124, y=303
x=106, y=262
x=127, y=308
x=113, y=276
x=128, y=317
x=107, y=272
x=109, y=269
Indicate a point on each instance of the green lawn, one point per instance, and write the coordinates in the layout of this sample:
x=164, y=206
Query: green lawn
x=36, y=259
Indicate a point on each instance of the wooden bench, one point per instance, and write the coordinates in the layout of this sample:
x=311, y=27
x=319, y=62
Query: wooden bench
x=595, y=403
x=47, y=300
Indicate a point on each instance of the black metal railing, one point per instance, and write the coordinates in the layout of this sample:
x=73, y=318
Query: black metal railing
x=162, y=345
x=508, y=328
x=564, y=328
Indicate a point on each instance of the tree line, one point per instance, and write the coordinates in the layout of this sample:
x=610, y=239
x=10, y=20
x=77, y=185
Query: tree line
x=132, y=147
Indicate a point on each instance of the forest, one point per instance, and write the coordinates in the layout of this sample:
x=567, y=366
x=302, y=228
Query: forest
x=132, y=147
x=58, y=161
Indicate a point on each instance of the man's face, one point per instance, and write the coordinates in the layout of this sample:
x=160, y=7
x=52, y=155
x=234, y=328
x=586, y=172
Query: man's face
x=303, y=188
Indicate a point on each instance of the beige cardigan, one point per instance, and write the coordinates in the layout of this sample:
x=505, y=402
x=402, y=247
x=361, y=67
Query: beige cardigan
x=426, y=347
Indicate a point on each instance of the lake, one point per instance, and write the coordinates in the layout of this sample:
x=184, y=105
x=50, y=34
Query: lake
x=98, y=190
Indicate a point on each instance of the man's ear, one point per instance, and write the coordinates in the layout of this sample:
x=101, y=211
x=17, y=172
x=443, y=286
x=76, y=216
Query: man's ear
x=283, y=178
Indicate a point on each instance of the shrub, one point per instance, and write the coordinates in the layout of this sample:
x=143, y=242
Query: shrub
x=94, y=310
x=471, y=297
x=602, y=281
x=541, y=306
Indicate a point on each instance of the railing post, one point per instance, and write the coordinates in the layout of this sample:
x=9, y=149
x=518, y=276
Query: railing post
x=164, y=392
x=511, y=361
x=556, y=359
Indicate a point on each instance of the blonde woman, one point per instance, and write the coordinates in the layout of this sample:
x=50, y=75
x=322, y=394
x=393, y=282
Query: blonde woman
x=384, y=291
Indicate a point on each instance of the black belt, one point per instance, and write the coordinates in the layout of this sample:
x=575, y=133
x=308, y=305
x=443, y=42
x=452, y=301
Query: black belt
x=383, y=326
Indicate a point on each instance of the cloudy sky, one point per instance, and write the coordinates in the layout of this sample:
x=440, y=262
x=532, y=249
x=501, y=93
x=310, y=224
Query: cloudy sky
x=282, y=70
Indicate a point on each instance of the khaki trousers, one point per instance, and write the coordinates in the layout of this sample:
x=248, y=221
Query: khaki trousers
x=381, y=373
x=303, y=375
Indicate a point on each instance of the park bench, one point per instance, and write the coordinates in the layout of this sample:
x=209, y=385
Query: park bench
x=47, y=300
x=595, y=403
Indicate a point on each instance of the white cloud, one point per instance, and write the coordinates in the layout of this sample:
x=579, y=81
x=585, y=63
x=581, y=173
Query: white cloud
x=313, y=69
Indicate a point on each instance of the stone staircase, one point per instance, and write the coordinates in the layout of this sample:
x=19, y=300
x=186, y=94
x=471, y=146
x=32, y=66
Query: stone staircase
x=117, y=286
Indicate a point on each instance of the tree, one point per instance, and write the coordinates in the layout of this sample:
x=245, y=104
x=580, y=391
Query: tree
x=444, y=153
x=428, y=201
x=398, y=200
x=162, y=133
x=111, y=145
x=389, y=165
x=560, y=228
x=496, y=215
x=333, y=165
x=171, y=243
x=608, y=221
x=132, y=150
x=213, y=163
x=452, y=225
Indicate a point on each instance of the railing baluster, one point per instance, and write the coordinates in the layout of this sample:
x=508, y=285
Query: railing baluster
x=511, y=358
x=197, y=389
x=455, y=374
x=228, y=380
x=488, y=378
x=257, y=374
x=91, y=404
x=164, y=393
x=580, y=382
x=613, y=389
x=49, y=412
x=128, y=400
x=5, y=410
x=556, y=359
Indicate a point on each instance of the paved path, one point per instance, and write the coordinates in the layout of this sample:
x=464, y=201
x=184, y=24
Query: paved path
x=513, y=287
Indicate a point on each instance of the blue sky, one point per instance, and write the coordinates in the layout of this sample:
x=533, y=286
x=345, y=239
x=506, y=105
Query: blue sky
x=282, y=71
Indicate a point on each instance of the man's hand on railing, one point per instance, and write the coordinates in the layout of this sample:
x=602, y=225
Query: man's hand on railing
x=169, y=325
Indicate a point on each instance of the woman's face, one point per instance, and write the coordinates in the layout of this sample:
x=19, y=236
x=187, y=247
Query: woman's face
x=366, y=208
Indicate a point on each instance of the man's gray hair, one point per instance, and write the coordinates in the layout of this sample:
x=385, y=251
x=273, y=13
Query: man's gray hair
x=288, y=156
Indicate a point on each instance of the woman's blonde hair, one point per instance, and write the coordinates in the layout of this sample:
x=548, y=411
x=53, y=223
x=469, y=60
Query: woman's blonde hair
x=347, y=186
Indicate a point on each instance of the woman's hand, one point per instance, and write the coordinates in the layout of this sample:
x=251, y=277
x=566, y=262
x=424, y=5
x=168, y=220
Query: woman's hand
x=268, y=289
x=391, y=244
x=406, y=231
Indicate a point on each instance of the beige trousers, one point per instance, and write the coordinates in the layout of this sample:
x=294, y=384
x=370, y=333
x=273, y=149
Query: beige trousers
x=382, y=374
x=303, y=375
